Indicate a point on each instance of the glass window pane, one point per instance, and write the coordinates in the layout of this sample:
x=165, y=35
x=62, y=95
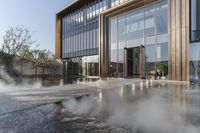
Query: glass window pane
x=150, y=58
x=88, y=40
x=135, y=24
x=150, y=21
x=135, y=42
x=113, y=45
x=150, y=40
x=121, y=44
x=161, y=18
x=150, y=54
x=162, y=38
x=195, y=61
x=162, y=52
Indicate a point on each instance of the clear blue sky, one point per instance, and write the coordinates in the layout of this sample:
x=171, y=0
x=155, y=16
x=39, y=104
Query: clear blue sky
x=36, y=15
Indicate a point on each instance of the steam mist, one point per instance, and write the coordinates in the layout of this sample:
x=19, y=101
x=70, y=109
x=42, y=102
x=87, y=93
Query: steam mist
x=140, y=110
x=159, y=109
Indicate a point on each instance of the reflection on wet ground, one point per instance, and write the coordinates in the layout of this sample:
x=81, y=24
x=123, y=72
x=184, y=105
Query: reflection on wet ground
x=145, y=107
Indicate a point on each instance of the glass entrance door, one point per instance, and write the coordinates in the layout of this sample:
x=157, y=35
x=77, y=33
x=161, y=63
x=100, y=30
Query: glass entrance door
x=135, y=62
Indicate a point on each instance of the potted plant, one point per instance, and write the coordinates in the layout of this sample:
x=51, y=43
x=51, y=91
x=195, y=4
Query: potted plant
x=162, y=69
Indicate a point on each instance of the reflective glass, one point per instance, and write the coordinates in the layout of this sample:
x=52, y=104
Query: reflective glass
x=195, y=61
x=147, y=27
x=81, y=67
x=135, y=42
x=161, y=18
x=134, y=29
x=162, y=52
x=135, y=24
x=121, y=44
x=97, y=35
x=150, y=21
x=150, y=58
x=113, y=45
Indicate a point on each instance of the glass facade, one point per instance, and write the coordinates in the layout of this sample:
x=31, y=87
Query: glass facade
x=147, y=27
x=80, y=29
x=80, y=34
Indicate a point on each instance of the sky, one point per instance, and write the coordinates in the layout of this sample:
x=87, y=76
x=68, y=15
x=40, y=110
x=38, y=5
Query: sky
x=36, y=15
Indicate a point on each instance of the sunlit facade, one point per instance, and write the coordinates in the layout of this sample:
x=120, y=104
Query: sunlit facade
x=129, y=38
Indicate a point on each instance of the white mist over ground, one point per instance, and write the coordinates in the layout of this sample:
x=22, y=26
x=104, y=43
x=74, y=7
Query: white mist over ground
x=7, y=83
x=140, y=112
x=12, y=86
x=146, y=110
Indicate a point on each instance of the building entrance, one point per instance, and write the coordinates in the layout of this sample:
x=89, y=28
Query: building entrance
x=135, y=62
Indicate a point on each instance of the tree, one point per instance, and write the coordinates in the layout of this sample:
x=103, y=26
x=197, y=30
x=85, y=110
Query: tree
x=25, y=55
x=18, y=42
x=41, y=58
x=35, y=56
x=15, y=39
x=163, y=68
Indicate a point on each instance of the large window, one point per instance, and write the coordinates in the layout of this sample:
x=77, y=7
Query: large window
x=147, y=27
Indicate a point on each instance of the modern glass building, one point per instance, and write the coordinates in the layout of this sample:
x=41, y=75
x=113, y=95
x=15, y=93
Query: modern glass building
x=130, y=39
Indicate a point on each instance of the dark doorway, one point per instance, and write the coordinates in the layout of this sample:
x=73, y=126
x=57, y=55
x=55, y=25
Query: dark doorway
x=135, y=62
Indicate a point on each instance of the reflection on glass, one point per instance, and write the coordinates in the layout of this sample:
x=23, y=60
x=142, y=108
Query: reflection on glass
x=135, y=24
x=114, y=54
x=121, y=44
x=80, y=67
x=161, y=18
x=162, y=51
x=135, y=42
x=195, y=61
x=146, y=27
x=150, y=58
x=91, y=65
x=149, y=21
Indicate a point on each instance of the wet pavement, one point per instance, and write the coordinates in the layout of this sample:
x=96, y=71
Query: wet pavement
x=34, y=109
x=116, y=106
x=50, y=119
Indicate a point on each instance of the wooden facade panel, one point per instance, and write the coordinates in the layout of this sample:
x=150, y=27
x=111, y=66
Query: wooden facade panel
x=58, y=37
x=179, y=39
